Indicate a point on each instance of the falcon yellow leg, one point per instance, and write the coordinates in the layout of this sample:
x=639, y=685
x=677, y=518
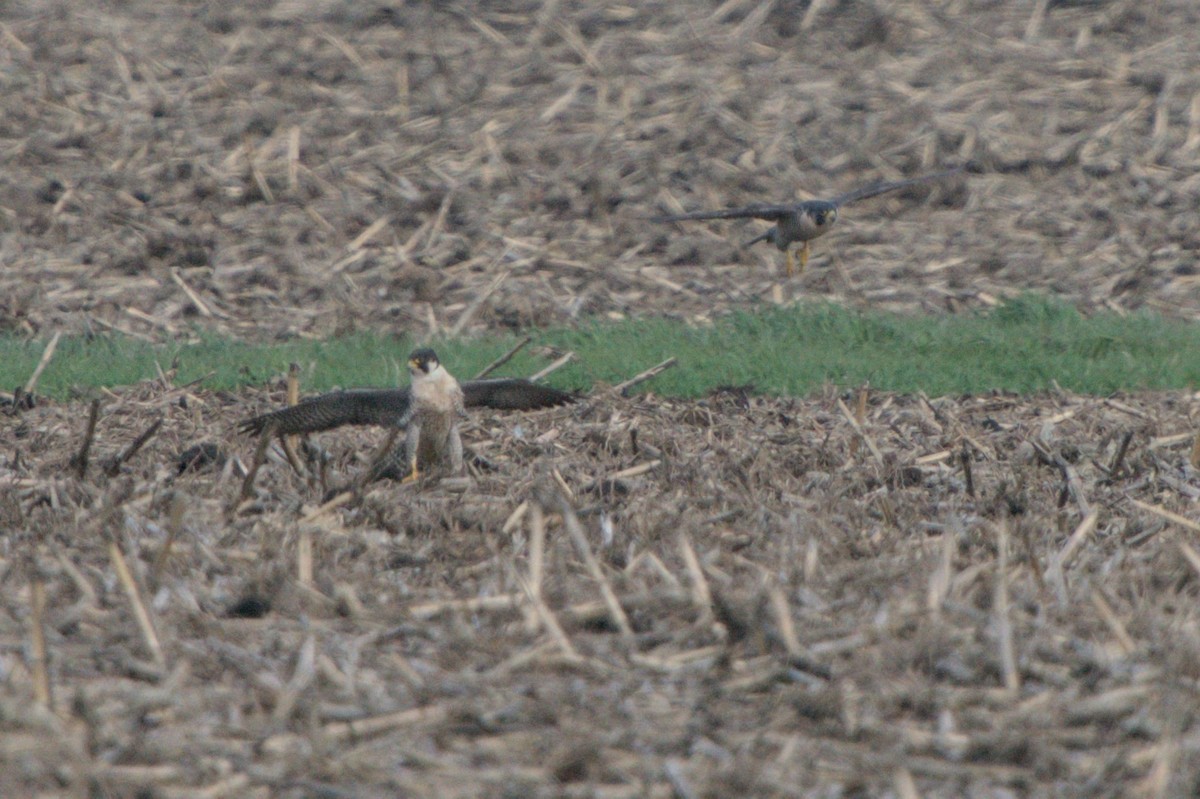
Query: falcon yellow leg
x=414, y=473
x=803, y=258
x=790, y=263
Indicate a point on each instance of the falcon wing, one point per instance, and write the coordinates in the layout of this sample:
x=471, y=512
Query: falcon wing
x=390, y=407
x=513, y=394
x=383, y=407
x=757, y=211
x=863, y=192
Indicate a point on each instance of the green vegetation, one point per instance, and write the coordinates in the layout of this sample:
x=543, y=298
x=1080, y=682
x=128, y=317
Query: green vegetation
x=1025, y=345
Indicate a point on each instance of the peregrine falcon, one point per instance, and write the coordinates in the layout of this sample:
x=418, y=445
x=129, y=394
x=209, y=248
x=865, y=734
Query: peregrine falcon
x=428, y=409
x=804, y=221
x=437, y=405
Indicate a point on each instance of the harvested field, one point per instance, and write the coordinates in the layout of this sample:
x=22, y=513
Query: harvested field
x=978, y=596
x=635, y=598
x=303, y=167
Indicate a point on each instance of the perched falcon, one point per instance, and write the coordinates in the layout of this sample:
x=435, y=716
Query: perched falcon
x=429, y=409
x=436, y=406
x=804, y=221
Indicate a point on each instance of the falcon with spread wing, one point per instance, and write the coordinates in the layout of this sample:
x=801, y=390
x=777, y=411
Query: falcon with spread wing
x=428, y=410
x=804, y=221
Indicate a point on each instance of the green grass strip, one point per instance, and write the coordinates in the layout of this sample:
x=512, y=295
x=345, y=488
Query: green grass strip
x=1025, y=345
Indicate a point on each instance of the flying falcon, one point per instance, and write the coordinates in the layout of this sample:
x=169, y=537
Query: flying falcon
x=428, y=409
x=804, y=221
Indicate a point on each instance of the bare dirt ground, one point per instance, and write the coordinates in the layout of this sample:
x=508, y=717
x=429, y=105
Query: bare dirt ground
x=950, y=597
x=636, y=598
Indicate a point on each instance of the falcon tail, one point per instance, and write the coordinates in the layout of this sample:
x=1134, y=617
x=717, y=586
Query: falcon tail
x=769, y=235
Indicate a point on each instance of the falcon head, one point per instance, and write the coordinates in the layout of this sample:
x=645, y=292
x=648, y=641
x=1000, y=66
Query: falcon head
x=423, y=361
x=822, y=213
